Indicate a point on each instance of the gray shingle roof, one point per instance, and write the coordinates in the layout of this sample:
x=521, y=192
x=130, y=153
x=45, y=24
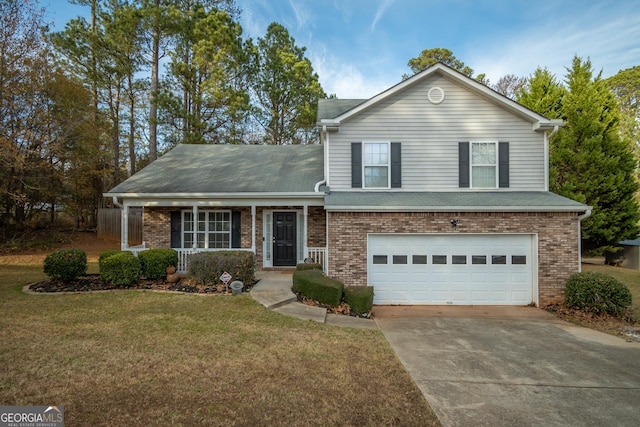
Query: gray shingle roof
x=330, y=108
x=452, y=201
x=230, y=169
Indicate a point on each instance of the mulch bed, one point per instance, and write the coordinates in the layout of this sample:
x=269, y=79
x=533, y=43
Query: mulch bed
x=343, y=309
x=93, y=282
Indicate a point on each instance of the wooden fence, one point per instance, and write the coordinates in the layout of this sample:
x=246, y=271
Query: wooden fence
x=109, y=225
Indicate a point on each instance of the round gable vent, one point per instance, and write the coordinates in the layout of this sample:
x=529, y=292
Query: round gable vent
x=435, y=95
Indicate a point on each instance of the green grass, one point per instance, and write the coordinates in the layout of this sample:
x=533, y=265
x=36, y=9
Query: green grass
x=631, y=278
x=143, y=358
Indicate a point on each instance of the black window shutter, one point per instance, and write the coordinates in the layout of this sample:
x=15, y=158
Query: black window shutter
x=463, y=165
x=356, y=165
x=396, y=165
x=236, y=234
x=176, y=229
x=503, y=164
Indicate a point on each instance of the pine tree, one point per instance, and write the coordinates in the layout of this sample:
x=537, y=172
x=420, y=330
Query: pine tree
x=286, y=89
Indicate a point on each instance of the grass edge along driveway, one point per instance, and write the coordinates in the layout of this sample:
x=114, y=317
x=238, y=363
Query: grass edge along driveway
x=143, y=358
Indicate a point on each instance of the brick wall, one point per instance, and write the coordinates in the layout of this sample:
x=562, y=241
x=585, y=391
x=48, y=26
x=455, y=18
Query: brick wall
x=557, y=240
x=156, y=228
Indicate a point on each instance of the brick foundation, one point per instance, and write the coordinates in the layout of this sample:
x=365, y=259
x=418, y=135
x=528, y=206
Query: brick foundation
x=557, y=240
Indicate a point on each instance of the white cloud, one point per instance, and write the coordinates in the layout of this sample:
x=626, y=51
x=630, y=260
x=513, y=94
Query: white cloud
x=380, y=12
x=347, y=81
x=611, y=43
x=301, y=13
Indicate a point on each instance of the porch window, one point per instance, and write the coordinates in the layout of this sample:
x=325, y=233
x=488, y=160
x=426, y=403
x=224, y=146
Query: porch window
x=212, y=230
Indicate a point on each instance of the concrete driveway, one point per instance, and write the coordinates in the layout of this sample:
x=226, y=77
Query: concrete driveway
x=521, y=366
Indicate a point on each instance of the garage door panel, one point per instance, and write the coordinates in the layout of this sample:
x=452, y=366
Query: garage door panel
x=452, y=269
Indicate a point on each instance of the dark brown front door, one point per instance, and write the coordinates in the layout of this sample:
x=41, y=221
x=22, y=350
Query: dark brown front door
x=284, y=239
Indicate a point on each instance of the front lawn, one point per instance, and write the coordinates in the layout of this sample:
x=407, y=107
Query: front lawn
x=143, y=358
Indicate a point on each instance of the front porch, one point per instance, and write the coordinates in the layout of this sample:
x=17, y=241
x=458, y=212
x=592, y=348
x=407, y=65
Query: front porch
x=279, y=236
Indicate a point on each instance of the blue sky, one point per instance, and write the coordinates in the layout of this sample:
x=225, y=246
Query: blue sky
x=361, y=47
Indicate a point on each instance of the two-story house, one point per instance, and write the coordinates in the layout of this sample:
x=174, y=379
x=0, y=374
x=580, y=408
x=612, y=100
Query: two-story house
x=435, y=191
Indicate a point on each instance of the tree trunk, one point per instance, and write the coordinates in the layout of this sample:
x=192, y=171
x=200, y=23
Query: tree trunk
x=153, y=100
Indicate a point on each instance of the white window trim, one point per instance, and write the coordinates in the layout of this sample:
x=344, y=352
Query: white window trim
x=496, y=165
x=207, y=232
x=364, y=164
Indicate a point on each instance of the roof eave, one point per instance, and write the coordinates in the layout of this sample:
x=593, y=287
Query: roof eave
x=245, y=195
x=457, y=209
x=543, y=126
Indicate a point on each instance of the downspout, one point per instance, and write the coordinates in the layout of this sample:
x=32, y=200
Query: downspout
x=316, y=188
x=115, y=202
x=585, y=215
x=547, y=140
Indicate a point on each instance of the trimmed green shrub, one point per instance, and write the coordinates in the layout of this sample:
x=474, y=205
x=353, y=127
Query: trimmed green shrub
x=65, y=264
x=597, y=292
x=207, y=267
x=121, y=269
x=315, y=285
x=106, y=254
x=154, y=262
x=359, y=298
x=308, y=266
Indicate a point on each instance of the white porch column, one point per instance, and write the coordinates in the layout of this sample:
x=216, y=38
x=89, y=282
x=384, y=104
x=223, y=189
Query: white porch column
x=305, y=213
x=124, y=227
x=194, y=209
x=253, y=228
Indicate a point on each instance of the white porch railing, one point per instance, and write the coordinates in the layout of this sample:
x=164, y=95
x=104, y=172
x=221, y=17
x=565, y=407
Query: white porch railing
x=183, y=256
x=319, y=255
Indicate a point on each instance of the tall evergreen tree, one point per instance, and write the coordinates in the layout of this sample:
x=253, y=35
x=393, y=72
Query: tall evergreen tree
x=626, y=87
x=286, y=89
x=590, y=161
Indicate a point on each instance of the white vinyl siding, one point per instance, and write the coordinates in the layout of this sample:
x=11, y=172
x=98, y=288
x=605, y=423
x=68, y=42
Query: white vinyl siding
x=430, y=135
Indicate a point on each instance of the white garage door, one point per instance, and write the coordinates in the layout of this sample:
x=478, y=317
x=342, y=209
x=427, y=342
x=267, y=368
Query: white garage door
x=490, y=269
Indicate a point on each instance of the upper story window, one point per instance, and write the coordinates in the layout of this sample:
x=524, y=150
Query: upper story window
x=483, y=165
x=376, y=162
x=212, y=229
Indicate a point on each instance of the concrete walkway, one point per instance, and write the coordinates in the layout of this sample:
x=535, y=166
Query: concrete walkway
x=274, y=292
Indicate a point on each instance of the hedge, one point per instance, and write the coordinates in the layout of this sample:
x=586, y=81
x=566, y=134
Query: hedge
x=308, y=266
x=154, y=262
x=65, y=264
x=121, y=269
x=207, y=267
x=359, y=298
x=315, y=285
x=597, y=292
x=106, y=254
